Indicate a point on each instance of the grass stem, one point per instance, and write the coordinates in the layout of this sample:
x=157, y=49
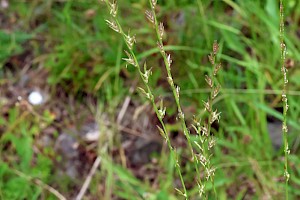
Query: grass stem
x=284, y=99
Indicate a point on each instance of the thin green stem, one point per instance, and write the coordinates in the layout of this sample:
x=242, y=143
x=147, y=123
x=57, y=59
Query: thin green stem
x=284, y=99
x=210, y=102
x=175, y=90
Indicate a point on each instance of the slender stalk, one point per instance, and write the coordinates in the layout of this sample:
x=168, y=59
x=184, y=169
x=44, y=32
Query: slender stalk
x=213, y=93
x=159, y=29
x=175, y=90
x=203, y=132
x=284, y=99
x=132, y=59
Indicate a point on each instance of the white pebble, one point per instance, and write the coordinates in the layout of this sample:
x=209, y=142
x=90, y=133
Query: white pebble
x=35, y=98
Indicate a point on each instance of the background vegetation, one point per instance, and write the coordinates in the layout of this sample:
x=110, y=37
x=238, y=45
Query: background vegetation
x=65, y=50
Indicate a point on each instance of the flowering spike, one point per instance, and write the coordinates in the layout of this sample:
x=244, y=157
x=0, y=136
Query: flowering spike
x=162, y=110
x=286, y=175
x=200, y=189
x=217, y=68
x=161, y=132
x=209, y=81
x=198, y=145
x=130, y=40
x=285, y=128
x=142, y=90
x=207, y=106
x=204, y=130
x=113, y=8
x=169, y=60
x=161, y=48
x=150, y=16
x=195, y=128
x=211, y=143
x=181, y=116
x=177, y=91
x=203, y=160
x=215, y=117
x=170, y=81
x=153, y=2
x=215, y=47
x=210, y=173
x=211, y=58
x=113, y=25
x=130, y=59
x=216, y=91
x=146, y=73
x=161, y=30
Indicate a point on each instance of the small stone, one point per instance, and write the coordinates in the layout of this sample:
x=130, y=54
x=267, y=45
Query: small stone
x=35, y=98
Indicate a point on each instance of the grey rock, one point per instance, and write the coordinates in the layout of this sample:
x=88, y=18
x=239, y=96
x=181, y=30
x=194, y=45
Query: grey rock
x=275, y=132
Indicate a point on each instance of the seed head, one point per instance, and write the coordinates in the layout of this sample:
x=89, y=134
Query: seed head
x=211, y=58
x=130, y=40
x=142, y=90
x=130, y=59
x=287, y=150
x=211, y=143
x=198, y=145
x=147, y=94
x=207, y=106
x=162, y=110
x=177, y=91
x=162, y=133
x=284, y=98
x=215, y=116
x=216, y=91
x=204, y=130
x=209, y=81
x=210, y=173
x=161, y=30
x=284, y=128
x=286, y=175
x=161, y=48
x=181, y=115
x=113, y=25
x=146, y=73
x=217, y=68
x=200, y=189
x=153, y=2
x=169, y=60
x=113, y=8
x=150, y=16
x=203, y=160
x=215, y=47
x=170, y=81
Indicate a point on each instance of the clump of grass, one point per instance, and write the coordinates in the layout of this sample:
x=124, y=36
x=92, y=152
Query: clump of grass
x=201, y=157
x=284, y=99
